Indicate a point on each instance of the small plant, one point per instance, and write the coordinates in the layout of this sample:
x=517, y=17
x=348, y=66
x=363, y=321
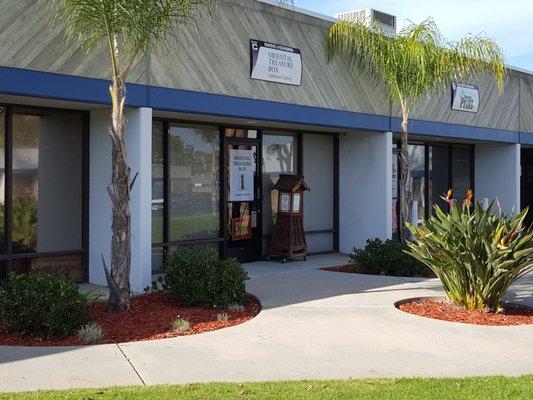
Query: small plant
x=385, y=258
x=477, y=254
x=90, y=333
x=156, y=285
x=223, y=317
x=42, y=304
x=180, y=325
x=236, y=308
x=196, y=276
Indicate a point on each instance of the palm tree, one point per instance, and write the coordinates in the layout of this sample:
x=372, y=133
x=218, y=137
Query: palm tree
x=130, y=28
x=415, y=64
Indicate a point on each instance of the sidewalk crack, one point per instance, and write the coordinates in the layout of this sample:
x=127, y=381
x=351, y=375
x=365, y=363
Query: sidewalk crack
x=131, y=364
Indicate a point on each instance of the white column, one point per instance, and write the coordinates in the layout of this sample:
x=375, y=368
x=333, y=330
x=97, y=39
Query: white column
x=139, y=148
x=139, y=151
x=497, y=173
x=365, y=188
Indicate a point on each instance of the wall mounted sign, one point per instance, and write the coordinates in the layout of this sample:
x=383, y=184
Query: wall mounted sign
x=241, y=228
x=275, y=63
x=465, y=97
x=241, y=175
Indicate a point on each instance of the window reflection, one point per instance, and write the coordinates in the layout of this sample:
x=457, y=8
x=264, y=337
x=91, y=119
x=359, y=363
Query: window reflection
x=2, y=181
x=157, y=182
x=418, y=163
x=47, y=184
x=194, y=182
x=279, y=157
x=461, y=171
x=439, y=175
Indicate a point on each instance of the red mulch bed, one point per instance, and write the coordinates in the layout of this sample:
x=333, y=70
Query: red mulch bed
x=149, y=319
x=448, y=312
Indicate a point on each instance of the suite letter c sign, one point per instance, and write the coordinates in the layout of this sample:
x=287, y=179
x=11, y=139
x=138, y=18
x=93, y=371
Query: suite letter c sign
x=275, y=63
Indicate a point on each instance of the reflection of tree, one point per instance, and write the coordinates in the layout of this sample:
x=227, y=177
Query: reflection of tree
x=24, y=223
x=283, y=152
x=211, y=137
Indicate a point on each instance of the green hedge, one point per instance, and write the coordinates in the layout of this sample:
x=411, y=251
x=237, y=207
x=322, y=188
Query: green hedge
x=195, y=276
x=42, y=304
x=386, y=258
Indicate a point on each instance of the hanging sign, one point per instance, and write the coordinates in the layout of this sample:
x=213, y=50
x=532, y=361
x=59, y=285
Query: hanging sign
x=241, y=175
x=275, y=63
x=465, y=97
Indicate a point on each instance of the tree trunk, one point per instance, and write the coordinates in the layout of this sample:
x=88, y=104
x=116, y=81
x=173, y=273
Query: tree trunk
x=119, y=191
x=406, y=195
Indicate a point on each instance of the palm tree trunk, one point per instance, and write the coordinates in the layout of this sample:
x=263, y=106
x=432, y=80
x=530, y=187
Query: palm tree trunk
x=406, y=195
x=119, y=191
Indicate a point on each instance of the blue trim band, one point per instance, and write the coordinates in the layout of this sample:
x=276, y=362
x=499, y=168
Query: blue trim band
x=455, y=131
x=239, y=107
x=526, y=138
x=22, y=82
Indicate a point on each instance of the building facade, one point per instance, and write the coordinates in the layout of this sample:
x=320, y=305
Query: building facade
x=242, y=97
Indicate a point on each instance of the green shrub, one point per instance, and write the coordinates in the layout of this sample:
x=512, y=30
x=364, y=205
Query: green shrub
x=477, y=254
x=195, y=276
x=42, y=304
x=385, y=258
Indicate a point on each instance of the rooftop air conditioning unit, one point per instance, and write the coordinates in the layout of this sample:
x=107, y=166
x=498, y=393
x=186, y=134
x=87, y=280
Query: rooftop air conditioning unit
x=369, y=17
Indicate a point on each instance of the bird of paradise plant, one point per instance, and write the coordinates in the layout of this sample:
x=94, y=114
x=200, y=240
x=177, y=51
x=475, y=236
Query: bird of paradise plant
x=476, y=253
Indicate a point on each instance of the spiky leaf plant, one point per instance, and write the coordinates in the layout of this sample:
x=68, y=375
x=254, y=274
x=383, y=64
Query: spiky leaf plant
x=476, y=253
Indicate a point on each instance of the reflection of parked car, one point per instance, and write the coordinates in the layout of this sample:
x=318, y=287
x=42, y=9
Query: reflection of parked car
x=158, y=205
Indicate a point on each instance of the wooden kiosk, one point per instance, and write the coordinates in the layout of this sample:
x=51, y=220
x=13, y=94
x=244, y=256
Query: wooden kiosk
x=288, y=238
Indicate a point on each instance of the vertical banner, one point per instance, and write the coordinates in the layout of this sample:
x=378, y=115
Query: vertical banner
x=241, y=175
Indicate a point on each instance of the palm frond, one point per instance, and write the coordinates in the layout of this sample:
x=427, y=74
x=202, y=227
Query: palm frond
x=418, y=61
x=135, y=25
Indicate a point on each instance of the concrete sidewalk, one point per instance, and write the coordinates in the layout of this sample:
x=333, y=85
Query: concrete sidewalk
x=314, y=324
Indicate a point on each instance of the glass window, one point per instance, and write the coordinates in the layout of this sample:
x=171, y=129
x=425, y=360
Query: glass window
x=279, y=157
x=157, y=182
x=2, y=179
x=70, y=264
x=461, y=171
x=47, y=182
x=417, y=156
x=194, y=153
x=439, y=175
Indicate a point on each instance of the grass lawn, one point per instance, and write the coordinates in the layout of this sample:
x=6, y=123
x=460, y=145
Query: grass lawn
x=180, y=226
x=402, y=389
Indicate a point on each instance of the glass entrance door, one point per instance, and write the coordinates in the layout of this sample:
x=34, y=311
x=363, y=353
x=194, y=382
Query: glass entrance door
x=243, y=232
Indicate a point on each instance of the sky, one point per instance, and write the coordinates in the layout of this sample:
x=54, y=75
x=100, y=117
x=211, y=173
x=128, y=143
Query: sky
x=508, y=22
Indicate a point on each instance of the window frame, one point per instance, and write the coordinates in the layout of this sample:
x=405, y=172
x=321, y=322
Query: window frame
x=166, y=245
x=427, y=145
x=8, y=257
